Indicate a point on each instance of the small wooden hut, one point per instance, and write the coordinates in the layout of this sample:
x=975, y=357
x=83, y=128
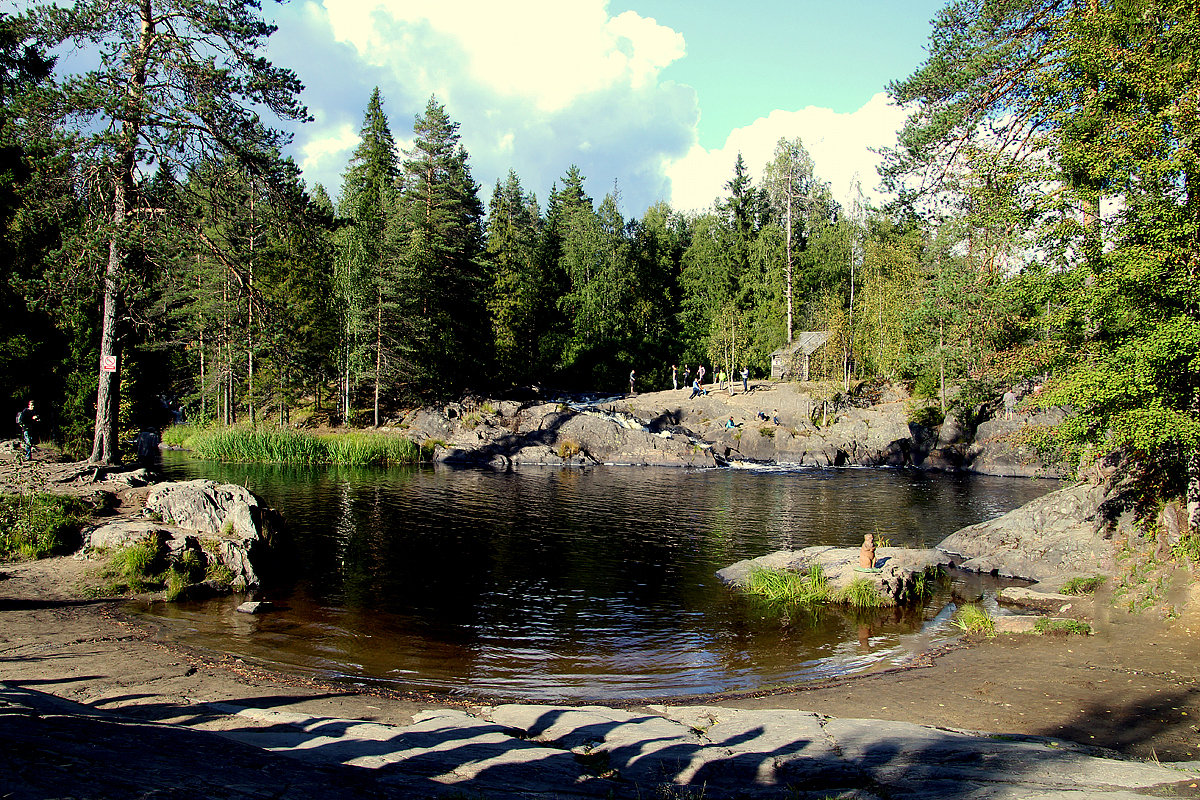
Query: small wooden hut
x=791, y=361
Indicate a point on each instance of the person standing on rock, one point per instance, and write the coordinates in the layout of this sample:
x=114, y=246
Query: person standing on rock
x=1010, y=404
x=674, y=376
x=26, y=419
x=700, y=374
x=745, y=379
x=687, y=375
x=632, y=377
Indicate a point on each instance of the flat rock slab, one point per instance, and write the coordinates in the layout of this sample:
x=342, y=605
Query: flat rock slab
x=1022, y=596
x=897, y=566
x=523, y=751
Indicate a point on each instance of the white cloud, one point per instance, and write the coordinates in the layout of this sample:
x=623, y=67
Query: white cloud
x=548, y=52
x=535, y=85
x=838, y=143
x=328, y=151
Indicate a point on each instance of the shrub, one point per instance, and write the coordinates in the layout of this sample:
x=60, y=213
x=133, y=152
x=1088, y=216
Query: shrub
x=927, y=415
x=767, y=432
x=39, y=525
x=569, y=448
x=973, y=619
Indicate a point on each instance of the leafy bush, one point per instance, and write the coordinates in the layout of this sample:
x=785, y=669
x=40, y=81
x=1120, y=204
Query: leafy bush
x=927, y=415
x=39, y=525
x=767, y=432
x=569, y=448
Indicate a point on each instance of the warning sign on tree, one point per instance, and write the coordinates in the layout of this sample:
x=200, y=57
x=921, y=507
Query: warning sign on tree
x=108, y=363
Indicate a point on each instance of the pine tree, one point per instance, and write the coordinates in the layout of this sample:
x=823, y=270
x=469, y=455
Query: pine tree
x=175, y=79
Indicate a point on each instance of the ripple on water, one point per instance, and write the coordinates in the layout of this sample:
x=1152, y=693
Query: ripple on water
x=573, y=584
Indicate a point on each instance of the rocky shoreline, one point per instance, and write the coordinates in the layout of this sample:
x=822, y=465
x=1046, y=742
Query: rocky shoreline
x=790, y=424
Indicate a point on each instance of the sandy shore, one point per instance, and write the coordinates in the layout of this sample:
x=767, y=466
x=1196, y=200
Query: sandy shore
x=1133, y=687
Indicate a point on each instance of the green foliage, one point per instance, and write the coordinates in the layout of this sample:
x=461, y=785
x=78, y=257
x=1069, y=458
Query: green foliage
x=974, y=620
x=926, y=415
x=569, y=448
x=1083, y=585
x=784, y=586
x=39, y=525
x=766, y=432
x=1062, y=626
x=135, y=568
x=862, y=593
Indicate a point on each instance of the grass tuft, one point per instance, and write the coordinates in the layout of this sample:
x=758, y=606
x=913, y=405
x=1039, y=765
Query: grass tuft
x=862, y=593
x=1083, y=585
x=784, y=586
x=1062, y=626
x=277, y=445
x=973, y=619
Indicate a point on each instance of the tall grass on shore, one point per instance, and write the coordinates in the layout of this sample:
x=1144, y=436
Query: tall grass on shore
x=784, y=586
x=273, y=445
x=39, y=525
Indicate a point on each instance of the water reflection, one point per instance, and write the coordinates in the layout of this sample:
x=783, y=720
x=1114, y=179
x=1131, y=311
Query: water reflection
x=551, y=583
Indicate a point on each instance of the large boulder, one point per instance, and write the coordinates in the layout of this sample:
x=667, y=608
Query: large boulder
x=1006, y=448
x=229, y=519
x=1054, y=538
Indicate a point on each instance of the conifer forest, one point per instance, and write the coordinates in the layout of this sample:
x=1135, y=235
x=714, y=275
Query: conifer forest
x=1044, y=228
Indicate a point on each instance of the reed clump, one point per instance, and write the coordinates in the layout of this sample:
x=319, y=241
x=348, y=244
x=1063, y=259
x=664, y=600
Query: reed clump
x=784, y=586
x=277, y=445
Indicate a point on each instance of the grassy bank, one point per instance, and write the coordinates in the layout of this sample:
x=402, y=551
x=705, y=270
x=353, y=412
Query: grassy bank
x=275, y=445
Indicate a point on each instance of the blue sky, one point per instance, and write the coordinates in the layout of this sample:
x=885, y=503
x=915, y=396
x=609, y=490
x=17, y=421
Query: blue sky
x=656, y=97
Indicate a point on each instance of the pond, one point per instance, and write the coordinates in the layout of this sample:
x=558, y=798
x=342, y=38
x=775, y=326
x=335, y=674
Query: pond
x=563, y=584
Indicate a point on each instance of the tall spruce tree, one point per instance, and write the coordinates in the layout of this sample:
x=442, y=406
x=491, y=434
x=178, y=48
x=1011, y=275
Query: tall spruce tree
x=442, y=237
x=174, y=80
x=369, y=278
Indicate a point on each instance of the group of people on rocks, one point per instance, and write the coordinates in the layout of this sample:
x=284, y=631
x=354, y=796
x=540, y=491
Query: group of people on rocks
x=696, y=382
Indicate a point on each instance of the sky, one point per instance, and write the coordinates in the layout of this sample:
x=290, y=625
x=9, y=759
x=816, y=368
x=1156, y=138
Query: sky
x=653, y=97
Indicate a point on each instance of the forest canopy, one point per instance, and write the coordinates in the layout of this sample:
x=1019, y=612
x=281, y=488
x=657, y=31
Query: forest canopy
x=1044, y=230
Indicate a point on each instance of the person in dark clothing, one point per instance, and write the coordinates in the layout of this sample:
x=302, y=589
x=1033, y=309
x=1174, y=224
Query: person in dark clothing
x=26, y=419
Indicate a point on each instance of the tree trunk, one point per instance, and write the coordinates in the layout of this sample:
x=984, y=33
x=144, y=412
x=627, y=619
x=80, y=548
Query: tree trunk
x=104, y=443
x=378, y=346
x=108, y=384
x=788, y=271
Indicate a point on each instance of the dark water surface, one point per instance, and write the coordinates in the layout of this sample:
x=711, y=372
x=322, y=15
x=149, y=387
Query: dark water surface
x=574, y=584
